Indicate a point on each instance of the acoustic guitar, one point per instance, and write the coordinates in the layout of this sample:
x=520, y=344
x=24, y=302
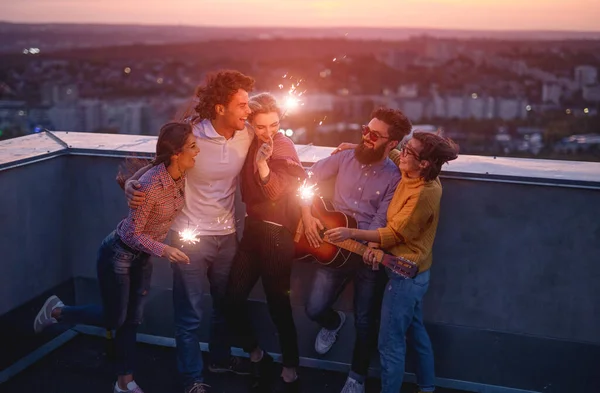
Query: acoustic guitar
x=336, y=254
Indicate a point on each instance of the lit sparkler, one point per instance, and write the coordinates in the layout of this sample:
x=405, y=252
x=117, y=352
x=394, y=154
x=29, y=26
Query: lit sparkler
x=307, y=192
x=292, y=100
x=189, y=235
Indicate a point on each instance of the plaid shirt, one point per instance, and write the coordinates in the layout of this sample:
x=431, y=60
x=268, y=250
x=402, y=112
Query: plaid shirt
x=146, y=227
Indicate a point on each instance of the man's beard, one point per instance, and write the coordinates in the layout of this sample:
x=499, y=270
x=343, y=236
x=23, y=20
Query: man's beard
x=366, y=155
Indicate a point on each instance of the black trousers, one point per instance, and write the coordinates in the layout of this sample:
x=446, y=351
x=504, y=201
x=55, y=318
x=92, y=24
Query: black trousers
x=266, y=251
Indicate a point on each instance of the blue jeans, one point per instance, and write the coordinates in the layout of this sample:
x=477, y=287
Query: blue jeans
x=328, y=284
x=401, y=320
x=124, y=277
x=210, y=258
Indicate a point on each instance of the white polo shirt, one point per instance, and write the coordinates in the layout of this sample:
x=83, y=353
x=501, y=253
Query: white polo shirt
x=211, y=184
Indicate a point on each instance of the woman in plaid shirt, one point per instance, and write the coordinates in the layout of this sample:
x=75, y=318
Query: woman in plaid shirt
x=123, y=262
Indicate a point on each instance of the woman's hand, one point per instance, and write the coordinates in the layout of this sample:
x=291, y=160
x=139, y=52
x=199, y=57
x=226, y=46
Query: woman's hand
x=264, y=152
x=312, y=226
x=339, y=234
x=344, y=146
x=369, y=257
x=175, y=255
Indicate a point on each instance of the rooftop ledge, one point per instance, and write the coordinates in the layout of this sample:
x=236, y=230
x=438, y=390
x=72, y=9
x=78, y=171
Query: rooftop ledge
x=33, y=148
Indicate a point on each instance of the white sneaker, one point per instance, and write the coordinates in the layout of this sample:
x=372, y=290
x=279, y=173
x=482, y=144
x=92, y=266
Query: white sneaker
x=326, y=338
x=132, y=387
x=43, y=319
x=353, y=386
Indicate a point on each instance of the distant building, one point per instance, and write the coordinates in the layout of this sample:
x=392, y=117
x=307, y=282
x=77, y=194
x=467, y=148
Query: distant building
x=455, y=108
x=510, y=109
x=396, y=59
x=591, y=93
x=408, y=91
x=586, y=75
x=59, y=94
x=13, y=114
x=414, y=109
x=65, y=118
x=314, y=102
x=551, y=92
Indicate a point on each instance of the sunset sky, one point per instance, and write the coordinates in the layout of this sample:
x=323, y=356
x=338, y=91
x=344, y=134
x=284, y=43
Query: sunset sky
x=581, y=15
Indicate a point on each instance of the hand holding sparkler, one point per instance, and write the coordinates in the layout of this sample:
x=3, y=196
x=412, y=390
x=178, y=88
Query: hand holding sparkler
x=175, y=255
x=264, y=151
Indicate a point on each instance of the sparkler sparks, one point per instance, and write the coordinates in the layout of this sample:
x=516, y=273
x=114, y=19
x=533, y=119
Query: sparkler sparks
x=307, y=192
x=189, y=235
x=292, y=100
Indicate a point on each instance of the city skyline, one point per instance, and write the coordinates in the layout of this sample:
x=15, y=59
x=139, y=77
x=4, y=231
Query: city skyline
x=578, y=15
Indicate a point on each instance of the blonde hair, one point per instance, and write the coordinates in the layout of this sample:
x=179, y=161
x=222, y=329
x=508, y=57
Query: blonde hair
x=263, y=103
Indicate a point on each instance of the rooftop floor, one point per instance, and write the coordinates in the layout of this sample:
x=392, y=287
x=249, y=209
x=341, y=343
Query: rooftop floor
x=81, y=366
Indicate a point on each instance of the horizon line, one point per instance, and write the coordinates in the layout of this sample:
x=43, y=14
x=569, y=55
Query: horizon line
x=288, y=27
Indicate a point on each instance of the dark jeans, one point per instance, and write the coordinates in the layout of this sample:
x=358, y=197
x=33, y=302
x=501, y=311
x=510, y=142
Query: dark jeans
x=401, y=321
x=266, y=251
x=210, y=258
x=328, y=284
x=124, y=278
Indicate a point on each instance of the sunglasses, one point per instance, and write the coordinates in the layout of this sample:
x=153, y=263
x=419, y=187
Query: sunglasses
x=406, y=150
x=373, y=135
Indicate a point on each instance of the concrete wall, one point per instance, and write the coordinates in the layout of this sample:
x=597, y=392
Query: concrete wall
x=32, y=231
x=518, y=258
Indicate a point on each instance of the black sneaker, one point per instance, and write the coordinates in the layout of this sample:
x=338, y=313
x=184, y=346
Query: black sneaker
x=236, y=365
x=286, y=387
x=262, y=372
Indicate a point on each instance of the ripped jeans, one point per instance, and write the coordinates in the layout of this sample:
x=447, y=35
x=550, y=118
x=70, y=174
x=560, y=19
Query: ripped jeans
x=124, y=277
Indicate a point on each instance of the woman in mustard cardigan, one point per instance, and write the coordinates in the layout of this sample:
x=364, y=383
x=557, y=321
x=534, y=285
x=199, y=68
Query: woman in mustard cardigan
x=412, y=220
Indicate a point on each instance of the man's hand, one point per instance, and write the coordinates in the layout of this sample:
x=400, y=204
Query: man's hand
x=338, y=234
x=312, y=226
x=344, y=146
x=175, y=255
x=134, y=198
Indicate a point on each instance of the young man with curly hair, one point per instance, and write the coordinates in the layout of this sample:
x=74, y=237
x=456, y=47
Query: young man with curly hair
x=219, y=124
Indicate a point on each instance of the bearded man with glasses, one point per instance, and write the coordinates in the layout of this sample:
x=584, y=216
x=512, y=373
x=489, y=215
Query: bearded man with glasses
x=365, y=181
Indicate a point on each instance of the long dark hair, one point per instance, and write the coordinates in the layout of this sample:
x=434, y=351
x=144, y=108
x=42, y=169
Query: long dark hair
x=438, y=150
x=171, y=140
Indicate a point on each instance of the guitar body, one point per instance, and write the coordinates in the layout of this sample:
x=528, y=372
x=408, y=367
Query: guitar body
x=327, y=254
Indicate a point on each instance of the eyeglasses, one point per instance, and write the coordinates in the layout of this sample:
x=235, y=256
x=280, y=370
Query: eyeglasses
x=373, y=135
x=406, y=150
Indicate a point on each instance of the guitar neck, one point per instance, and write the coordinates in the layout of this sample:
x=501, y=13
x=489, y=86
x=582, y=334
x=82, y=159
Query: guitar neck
x=352, y=246
x=358, y=248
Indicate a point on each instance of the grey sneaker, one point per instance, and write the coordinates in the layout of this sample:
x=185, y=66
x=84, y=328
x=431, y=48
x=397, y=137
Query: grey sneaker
x=326, y=338
x=197, y=387
x=353, y=386
x=43, y=319
x=132, y=387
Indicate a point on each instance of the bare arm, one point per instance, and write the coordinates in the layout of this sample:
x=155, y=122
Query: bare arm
x=343, y=233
